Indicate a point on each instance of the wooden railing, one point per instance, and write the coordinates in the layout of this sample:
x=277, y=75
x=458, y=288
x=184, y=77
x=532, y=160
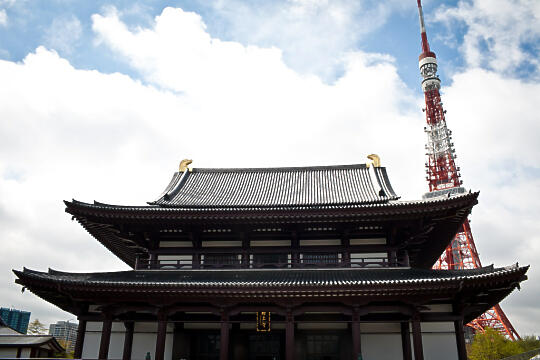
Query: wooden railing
x=253, y=264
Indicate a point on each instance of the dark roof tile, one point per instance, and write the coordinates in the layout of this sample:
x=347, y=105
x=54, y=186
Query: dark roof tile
x=278, y=187
x=269, y=277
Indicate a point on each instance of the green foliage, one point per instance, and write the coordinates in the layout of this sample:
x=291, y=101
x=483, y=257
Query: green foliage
x=493, y=346
x=36, y=328
x=528, y=343
x=66, y=354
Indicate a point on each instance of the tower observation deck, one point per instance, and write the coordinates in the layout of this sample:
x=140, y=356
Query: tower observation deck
x=444, y=179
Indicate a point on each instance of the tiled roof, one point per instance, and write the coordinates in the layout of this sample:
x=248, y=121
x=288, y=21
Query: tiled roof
x=22, y=340
x=480, y=287
x=275, y=278
x=278, y=187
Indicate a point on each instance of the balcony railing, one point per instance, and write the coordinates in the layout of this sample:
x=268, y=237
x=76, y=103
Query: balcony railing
x=371, y=262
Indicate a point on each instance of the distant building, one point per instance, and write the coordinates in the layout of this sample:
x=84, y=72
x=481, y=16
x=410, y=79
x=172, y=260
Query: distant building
x=65, y=331
x=16, y=319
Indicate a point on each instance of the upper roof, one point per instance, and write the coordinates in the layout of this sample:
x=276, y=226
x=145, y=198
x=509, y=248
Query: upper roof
x=278, y=187
x=225, y=197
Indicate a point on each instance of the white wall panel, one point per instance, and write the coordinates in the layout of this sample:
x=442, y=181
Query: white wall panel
x=94, y=326
x=118, y=326
x=143, y=343
x=91, y=344
x=446, y=327
x=116, y=346
x=440, y=346
x=168, y=346
x=381, y=346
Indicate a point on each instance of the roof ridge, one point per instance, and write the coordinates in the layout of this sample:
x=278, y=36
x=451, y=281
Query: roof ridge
x=282, y=168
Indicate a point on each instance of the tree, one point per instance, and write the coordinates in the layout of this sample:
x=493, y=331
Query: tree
x=491, y=345
x=65, y=354
x=528, y=343
x=36, y=328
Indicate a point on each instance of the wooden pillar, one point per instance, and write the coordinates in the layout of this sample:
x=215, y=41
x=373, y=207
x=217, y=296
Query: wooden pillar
x=194, y=236
x=79, y=343
x=289, y=336
x=161, y=336
x=393, y=258
x=196, y=260
x=224, y=339
x=406, y=341
x=460, y=340
x=346, y=254
x=245, y=250
x=417, y=339
x=18, y=353
x=356, y=335
x=295, y=254
x=105, y=338
x=128, y=340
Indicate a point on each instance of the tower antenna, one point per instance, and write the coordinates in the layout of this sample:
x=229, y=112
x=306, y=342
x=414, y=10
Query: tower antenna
x=444, y=179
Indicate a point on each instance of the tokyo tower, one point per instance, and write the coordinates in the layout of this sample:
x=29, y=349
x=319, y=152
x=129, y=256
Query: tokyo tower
x=444, y=179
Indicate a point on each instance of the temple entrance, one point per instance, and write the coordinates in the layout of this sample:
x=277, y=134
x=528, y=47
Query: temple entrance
x=323, y=347
x=266, y=347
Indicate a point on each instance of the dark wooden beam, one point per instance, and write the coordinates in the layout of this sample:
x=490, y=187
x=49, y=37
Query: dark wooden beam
x=161, y=336
x=224, y=338
x=356, y=335
x=460, y=340
x=406, y=341
x=105, y=338
x=417, y=339
x=128, y=340
x=289, y=336
x=79, y=343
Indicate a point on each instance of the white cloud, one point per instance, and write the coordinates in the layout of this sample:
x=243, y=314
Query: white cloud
x=496, y=35
x=3, y=17
x=63, y=34
x=313, y=34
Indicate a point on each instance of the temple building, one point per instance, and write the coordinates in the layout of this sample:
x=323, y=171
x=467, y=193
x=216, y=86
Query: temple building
x=318, y=263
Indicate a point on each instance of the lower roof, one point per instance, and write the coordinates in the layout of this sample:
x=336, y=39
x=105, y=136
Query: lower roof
x=482, y=287
x=279, y=278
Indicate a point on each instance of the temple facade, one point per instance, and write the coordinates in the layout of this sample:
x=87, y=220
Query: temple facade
x=318, y=263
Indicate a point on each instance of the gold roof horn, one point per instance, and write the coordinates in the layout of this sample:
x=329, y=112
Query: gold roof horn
x=376, y=160
x=184, y=165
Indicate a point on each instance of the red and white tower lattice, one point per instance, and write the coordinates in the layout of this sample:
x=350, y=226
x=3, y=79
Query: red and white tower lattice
x=444, y=179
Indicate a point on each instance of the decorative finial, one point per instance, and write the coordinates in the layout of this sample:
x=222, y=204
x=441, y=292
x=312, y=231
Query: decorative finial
x=184, y=165
x=376, y=160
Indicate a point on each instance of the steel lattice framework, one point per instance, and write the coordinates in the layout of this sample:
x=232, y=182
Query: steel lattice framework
x=443, y=177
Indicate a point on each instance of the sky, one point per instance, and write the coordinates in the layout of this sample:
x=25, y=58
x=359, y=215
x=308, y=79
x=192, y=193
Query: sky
x=100, y=100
